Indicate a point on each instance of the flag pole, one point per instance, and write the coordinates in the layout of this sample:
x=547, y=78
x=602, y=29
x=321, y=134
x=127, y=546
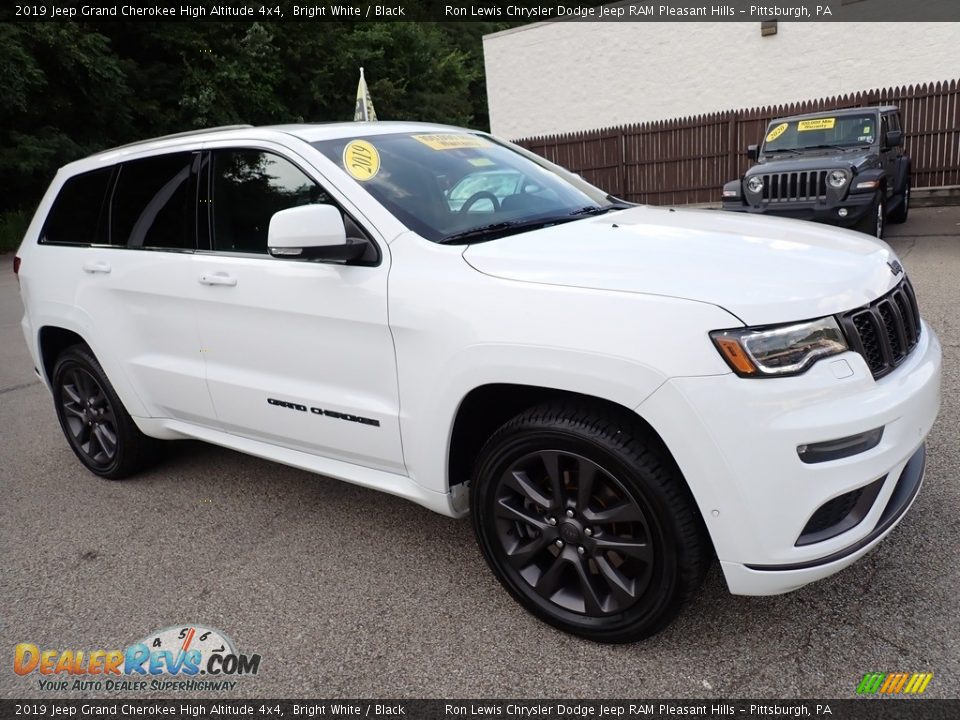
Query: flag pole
x=366, y=116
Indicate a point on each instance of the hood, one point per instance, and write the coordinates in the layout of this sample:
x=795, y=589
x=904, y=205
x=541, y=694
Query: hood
x=853, y=160
x=763, y=270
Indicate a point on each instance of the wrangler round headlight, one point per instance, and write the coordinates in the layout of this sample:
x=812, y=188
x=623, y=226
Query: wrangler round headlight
x=837, y=178
x=755, y=184
x=781, y=350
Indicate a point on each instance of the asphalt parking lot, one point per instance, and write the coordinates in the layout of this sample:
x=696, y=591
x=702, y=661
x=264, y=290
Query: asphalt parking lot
x=347, y=592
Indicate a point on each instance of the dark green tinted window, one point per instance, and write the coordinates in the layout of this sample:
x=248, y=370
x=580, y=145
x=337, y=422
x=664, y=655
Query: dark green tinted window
x=248, y=187
x=153, y=205
x=76, y=216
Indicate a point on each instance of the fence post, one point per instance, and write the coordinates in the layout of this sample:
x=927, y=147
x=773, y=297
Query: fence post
x=732, y=149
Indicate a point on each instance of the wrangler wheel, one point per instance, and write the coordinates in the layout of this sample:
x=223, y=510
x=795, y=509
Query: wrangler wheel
x=872, y=222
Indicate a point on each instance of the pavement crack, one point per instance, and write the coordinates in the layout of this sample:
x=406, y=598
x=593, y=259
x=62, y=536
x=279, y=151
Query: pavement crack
x=909, y=248
x=21, y=386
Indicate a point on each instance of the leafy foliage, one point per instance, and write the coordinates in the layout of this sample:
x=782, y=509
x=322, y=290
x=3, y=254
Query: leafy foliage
x=71, y=89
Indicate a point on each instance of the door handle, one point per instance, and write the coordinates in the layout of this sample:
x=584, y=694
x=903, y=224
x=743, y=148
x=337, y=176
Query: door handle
x=96, y=267
x=218, y=278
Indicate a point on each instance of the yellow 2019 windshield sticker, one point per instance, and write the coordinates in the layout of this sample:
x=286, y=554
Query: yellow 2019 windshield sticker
x=818, y=124
x=361, y=160
x=452, y=141
x=777, y=132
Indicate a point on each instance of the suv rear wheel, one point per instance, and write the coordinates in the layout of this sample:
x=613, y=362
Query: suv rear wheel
x=97, y=426
x=586, y=524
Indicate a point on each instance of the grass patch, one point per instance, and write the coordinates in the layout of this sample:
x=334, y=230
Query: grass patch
x=13, y=226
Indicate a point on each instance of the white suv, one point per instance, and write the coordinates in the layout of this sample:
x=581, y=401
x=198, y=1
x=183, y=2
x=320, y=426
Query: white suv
x=616, y=393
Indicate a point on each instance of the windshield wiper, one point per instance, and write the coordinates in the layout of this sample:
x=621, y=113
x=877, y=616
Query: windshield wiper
x=594, y=210
x=508, y=226
x=828, y=147
x=776, y=150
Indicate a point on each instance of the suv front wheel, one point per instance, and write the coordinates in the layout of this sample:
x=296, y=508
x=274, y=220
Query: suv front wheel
x=587, y=524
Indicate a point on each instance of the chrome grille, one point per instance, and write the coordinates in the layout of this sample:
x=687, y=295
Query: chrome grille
x=885, y=331
x=793, y=186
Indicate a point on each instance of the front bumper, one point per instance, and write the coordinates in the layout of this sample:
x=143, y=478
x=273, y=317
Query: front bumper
x=736, y=442
x=857, y=206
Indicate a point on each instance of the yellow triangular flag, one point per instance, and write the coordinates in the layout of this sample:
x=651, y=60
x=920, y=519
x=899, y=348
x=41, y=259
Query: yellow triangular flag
x=363, y=110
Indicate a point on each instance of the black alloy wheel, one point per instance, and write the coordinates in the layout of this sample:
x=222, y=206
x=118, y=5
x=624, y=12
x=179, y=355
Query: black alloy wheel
x=586, y=525
x=90, y=420
x=98, y=428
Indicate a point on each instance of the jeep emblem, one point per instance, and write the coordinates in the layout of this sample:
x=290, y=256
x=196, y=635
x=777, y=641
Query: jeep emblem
x=895, y=267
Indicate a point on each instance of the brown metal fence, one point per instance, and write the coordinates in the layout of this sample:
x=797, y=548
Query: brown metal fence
x=687, y=160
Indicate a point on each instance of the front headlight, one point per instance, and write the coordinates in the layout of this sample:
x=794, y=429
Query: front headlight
x=755, y=184
x=837, y=179
x=781, y=350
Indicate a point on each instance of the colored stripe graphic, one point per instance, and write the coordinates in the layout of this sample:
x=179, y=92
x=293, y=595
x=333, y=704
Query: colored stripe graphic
x=871, y=683
x=894, y=683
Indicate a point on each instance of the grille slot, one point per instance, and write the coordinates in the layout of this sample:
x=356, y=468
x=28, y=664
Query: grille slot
x=885, y=331
x=793, y=186
x=832, y=512
x=842, y=513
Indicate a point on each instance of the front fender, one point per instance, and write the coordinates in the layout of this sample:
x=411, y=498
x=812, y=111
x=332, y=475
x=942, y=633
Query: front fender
x=901, y=174
x=875, y=175
x=732, y=194
x=456, y=329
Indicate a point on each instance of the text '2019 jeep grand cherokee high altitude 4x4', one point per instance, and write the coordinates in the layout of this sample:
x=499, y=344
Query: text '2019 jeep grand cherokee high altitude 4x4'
x=615, y=393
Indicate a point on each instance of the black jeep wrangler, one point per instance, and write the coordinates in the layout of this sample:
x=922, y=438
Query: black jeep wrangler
x=844, y=167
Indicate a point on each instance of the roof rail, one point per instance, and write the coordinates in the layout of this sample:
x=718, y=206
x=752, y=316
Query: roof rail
x=186, y=133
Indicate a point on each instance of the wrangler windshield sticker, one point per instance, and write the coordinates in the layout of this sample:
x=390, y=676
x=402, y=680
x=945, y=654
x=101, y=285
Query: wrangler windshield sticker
x=818, y=124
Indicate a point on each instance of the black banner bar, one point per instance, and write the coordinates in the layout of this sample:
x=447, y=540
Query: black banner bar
x=520, y=11
x=120, y=709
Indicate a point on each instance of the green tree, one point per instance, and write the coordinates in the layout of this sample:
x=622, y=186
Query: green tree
x=64, y=92
x=71, y=89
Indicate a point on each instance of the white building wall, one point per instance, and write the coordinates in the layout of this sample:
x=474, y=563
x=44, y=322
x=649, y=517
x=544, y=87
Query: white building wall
x=562, y=76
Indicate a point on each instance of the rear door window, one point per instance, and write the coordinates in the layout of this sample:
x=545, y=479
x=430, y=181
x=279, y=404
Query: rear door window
x=77, y=216
x=154, y=203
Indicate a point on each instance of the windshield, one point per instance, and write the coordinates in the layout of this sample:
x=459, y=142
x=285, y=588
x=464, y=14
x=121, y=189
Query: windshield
x=822, y=131
x=460, y=185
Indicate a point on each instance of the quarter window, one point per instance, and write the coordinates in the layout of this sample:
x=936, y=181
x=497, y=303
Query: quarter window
x=153, y=205
x=77, y=213
x=248, y=187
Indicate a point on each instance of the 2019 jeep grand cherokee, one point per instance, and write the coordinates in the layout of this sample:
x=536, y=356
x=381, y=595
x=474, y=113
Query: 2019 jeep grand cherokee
x=843, y=167
x=617, y=393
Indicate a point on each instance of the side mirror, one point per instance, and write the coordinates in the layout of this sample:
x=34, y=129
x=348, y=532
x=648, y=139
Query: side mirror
x=753, y=151
x=894, y=138
x=312, y=232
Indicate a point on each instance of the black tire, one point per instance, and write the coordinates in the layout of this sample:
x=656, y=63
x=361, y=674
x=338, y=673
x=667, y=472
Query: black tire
x=633, y=552
x=903, y=208
x=872, y=222
x=97, y=426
